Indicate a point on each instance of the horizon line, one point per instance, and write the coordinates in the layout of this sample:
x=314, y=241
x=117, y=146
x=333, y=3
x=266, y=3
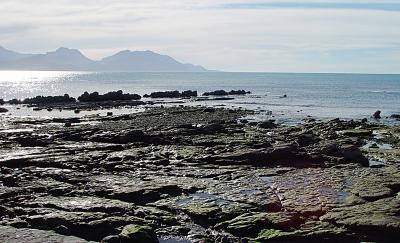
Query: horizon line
x=208, y=71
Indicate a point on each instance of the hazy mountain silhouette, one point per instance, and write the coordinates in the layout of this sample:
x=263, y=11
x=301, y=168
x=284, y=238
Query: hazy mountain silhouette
x=8, y=56
x=65, y=59
x=145, y=61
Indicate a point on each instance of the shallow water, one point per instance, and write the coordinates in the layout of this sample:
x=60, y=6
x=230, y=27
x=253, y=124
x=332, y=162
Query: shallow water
x=318, y=95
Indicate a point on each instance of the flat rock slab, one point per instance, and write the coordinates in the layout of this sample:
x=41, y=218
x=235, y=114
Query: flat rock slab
x=195, y=174
x=14, y=235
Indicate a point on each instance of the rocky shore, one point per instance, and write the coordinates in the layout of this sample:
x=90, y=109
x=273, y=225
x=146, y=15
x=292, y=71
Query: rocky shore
x=197, y=174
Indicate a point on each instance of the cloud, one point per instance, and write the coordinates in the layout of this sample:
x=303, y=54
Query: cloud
x=6, y=29
x=273, y=37
x=315, y=5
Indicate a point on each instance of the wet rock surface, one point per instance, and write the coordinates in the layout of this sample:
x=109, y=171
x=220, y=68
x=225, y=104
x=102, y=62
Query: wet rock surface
x=189, y=174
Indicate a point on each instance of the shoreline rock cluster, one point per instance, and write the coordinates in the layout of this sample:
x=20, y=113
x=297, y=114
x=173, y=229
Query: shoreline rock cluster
x=195, y=174
x=116, y=96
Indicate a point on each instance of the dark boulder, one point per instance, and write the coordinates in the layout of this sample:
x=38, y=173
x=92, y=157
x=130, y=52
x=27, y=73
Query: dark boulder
x=306, y=139
x=395, y=116
x=33, y=141
x=1, y=102
x=213, y=127
x=3, y=110
x=223, y=92
x=216, y=92
x=377, y=114
x=209, y=109
x=267, y=124
x=165, y=94
x=132, y=136
x=353, y=154
x=111, y=239
x=189, y=93
x=284, y=153
x=329, y=148
x=238, y=92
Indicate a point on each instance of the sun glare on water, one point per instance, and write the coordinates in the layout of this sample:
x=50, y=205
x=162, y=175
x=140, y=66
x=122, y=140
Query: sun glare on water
x=15, y=83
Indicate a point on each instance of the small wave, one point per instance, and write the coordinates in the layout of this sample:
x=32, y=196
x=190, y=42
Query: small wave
x=385, y=91
x=274, y=104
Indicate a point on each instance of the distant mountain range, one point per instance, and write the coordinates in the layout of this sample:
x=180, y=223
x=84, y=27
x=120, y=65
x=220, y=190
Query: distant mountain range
x=65, y=59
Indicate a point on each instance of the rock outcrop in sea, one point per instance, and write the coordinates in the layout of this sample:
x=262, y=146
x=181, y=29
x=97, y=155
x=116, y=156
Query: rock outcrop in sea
x=172, y=94
x=49, y=99
x=223, y=92
x=110, y=96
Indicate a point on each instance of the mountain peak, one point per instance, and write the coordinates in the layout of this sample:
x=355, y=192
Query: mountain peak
x=63, y=49
x=66, y=50
x=72, y=59
x=123, y=52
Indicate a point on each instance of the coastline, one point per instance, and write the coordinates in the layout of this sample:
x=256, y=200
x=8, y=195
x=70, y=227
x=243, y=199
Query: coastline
x=193, y=173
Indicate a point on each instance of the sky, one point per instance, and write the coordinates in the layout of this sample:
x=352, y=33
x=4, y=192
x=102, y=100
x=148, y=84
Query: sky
x=359, y=36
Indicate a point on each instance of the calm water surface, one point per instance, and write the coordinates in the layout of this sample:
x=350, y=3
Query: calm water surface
x=318, y=95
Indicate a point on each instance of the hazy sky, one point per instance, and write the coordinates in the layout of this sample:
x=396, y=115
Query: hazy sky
x=230, y=35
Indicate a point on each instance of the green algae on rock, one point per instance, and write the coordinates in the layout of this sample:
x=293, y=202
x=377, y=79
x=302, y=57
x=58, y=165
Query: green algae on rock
x=138, y=234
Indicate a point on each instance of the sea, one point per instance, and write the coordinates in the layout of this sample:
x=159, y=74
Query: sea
x=316, y=95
